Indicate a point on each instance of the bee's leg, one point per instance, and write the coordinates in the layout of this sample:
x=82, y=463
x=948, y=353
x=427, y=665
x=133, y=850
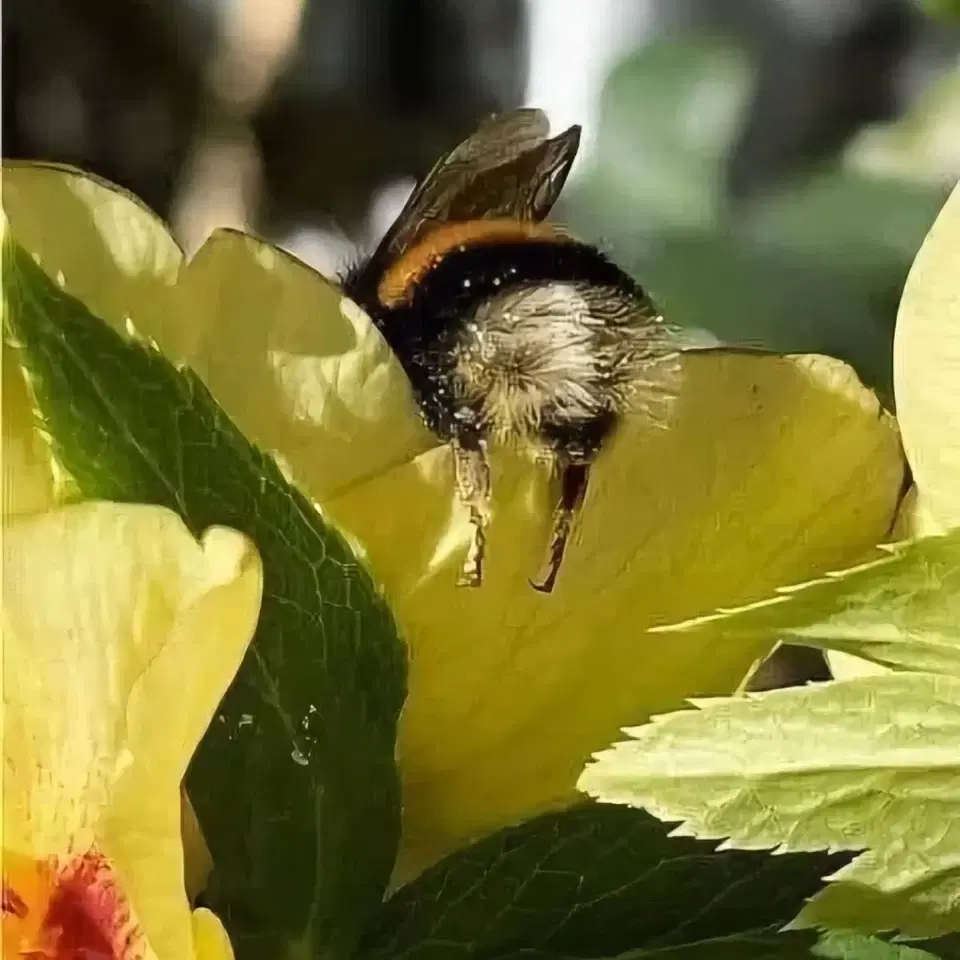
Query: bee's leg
x=573, y=488
x=473, y=489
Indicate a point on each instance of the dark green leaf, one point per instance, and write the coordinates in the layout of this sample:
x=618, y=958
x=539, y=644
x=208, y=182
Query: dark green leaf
x=294, y=784
x=599, y=881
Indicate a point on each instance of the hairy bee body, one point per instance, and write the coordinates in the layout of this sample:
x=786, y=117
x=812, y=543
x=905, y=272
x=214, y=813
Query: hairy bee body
x=541, y=342
x=508, y=328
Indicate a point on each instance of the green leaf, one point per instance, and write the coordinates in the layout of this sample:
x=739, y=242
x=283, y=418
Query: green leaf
x=902, y=611
x=598, y=880
x=869, y=764
x=294, y=783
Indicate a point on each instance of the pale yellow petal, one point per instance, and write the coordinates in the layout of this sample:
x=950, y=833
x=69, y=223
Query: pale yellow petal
x=845, y=666
x=775, y=470
x=121, y=634
x=298, y=374
x=101, y=243
x=927, y=368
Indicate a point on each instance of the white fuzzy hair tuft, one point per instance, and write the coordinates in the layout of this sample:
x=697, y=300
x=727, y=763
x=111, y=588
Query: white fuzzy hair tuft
x=570, y=352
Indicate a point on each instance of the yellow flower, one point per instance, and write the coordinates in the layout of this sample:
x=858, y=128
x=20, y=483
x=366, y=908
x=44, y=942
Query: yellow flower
x=776, y=469
x=120, y=635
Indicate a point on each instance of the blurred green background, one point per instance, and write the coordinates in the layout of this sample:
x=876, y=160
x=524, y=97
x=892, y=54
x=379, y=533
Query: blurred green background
x=813, y=262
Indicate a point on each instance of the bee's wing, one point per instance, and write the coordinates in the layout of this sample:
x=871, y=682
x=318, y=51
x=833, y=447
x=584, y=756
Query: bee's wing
x=516, y=132
x=507, y=168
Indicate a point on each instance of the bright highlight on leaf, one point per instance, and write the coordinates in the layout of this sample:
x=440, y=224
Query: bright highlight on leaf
x=870, y=764
x=120, y=635
x=509, y=691
x=902, y=611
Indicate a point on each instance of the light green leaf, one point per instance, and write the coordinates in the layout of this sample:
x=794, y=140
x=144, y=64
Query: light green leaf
x=869, y=764
x=294, y=783
x=599, y=880
x=831, y=946
x=902, y=611
x=856, y=946
x=770, y=947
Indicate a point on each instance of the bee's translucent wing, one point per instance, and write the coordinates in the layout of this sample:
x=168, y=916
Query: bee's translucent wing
x=508, y=167
x=516, y=131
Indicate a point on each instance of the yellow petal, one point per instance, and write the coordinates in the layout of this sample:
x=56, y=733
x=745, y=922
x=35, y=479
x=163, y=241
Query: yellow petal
x=510, y=691
x=102, y=244
x=316, y=383
x=927, y=369
x=209, y=938
x=776, y=470
x=121, y=634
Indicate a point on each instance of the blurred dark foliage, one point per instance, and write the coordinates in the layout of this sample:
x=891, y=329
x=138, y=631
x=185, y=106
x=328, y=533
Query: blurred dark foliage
x=374, y=90
x=807, y=105
x=111, y=87
x=403, y=80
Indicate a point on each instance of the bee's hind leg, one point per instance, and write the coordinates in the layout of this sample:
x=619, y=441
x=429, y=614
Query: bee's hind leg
x=573, y=488
x=473, y=489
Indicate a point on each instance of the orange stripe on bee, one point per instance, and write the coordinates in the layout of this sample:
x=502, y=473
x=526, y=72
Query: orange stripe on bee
x=398, y=283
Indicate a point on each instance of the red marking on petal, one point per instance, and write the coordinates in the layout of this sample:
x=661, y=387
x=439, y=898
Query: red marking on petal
x=72, y=911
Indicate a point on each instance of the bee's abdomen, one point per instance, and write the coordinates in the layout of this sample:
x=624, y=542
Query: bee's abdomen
x=519, y=339
x=530, y=356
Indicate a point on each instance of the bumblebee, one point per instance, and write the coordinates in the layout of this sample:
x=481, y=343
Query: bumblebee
x=509, y=329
